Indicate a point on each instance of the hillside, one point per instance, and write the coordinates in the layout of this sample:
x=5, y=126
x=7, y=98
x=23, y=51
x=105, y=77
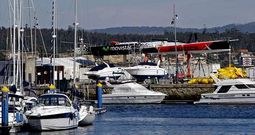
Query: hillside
x=244, y=28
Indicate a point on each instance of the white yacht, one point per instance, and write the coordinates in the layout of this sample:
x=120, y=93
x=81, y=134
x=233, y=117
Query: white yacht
x=146, y=70
x=231, y=91
x=54, y=112
x=105, y=70
x=131, y=92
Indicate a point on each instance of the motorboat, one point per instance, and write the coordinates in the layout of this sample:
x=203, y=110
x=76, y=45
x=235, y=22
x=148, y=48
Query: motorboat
x=54, y=111
x=231, y=91
x=105, y=70
x=87, y=115
x=131, y=92
x=16, y=107
x=147, y=70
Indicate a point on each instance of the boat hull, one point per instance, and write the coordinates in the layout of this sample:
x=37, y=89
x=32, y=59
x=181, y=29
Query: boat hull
x=132, y=99
x=145, y=73
x=197, y=46
x=53, y=124
x=88, y=120
x=87, y=115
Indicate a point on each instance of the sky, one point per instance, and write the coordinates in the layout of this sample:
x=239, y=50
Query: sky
x=97, y=14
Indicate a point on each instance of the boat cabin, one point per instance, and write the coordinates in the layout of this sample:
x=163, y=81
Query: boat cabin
x=54, y=100
x=235, y=86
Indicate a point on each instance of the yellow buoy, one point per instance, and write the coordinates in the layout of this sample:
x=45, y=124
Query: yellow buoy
x=52, y=86
x=99, y=84
x=5, y=89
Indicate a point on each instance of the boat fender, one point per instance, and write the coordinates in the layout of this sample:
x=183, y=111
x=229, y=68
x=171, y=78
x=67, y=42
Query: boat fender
x=19, y=117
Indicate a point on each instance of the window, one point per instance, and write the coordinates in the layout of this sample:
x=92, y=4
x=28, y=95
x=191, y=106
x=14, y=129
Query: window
x=251, y=85
x=54, y=100
x=62, y=101
x=241, y=86
x=224, y=89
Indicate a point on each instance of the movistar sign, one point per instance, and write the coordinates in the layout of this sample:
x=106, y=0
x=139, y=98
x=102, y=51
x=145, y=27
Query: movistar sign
x=114, y=49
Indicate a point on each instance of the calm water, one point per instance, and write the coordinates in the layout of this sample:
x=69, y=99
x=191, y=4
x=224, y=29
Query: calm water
x=168, y=119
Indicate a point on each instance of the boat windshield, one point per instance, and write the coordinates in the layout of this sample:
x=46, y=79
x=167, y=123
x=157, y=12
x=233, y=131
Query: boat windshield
x=224, y=89
x=241, y=86
x=148, y=63
x=54, y=100
x=251, y=85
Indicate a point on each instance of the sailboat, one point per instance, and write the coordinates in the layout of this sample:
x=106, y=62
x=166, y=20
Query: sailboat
x=16, y=117
x=55, y=111
x=16, y=102
x=86, y=113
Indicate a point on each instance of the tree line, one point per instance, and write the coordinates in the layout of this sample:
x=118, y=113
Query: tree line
x=65, y=37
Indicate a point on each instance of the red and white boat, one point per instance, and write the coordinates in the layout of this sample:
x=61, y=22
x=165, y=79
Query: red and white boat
x=210, y=46
x=194, y=47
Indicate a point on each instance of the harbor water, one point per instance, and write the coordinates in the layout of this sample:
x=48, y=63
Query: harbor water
x=168, y=119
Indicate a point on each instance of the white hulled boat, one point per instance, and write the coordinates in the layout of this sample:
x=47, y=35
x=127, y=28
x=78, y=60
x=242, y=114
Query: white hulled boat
x=132, y=92
x=87, y=115
x=146, y=70
x=16, y=117
x=54, y=112
x=105, y=70
x=231, y=91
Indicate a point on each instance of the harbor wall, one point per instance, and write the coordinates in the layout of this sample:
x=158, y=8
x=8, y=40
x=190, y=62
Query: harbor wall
x=183, y=92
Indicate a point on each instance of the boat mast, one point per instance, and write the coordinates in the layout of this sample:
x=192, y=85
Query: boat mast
x=176, y=53
x=54, y=39
x=19, y=77
x=10, y=41
x=14, y=42
x=75, y=44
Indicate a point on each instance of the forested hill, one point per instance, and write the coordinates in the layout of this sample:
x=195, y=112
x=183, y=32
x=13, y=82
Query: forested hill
x=65, y=37
x=249, y=27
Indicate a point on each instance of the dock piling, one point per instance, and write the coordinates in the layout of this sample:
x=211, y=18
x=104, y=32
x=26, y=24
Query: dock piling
x=99, y=95
x=5, y=127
